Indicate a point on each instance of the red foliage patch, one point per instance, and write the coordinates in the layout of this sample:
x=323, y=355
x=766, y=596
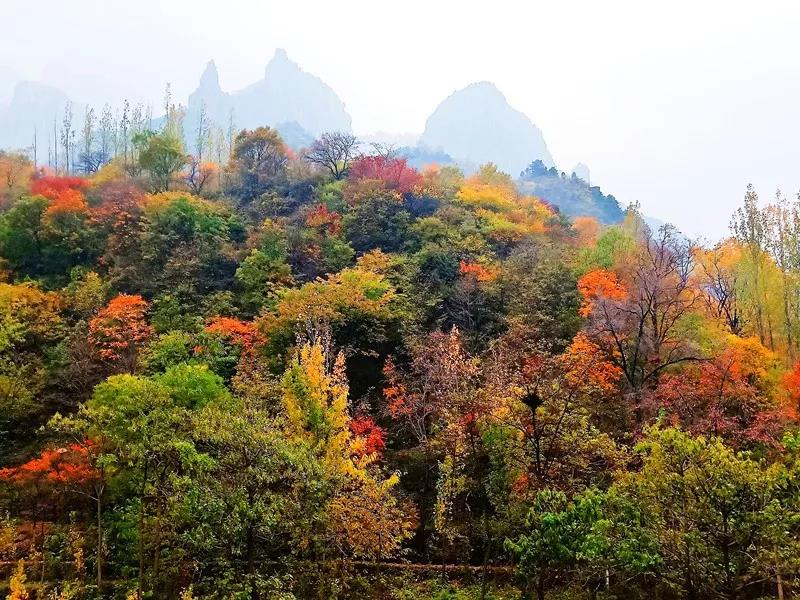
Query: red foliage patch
x=393, y=172
x=235, y=331
x=60, y=466
x=374, y=436
x=120, y=327
x=52, y=187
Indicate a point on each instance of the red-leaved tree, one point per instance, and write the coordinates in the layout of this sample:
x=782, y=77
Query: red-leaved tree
x=393, y=172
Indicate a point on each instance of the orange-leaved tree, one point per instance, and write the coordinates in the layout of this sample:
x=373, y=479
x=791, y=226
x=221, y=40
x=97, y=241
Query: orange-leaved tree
x=44, y=480
x=635, y=315
x=119, y=330
x=597, y=287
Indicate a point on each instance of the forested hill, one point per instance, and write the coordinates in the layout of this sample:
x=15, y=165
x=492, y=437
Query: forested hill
x=246, y=372
x=573, y=195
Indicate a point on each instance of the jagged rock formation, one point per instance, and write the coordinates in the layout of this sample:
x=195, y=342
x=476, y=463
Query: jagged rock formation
x=300, y=103
x=582, y=172
x=218, y=104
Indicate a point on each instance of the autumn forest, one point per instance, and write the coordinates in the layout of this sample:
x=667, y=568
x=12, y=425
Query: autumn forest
x=235, y=369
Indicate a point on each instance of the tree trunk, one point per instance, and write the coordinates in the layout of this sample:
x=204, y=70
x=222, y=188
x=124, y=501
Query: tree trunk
x=157, y=548
x=540, y=587
x=44, y=563
x=99, y=551
x=140, y=589
x=690, y=592
x=484, y=580
x=250, y=563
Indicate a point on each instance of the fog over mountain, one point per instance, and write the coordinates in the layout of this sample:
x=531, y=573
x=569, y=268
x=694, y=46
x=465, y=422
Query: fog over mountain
x=33, y=108
x=472, y=126
x=582, y=171
x=476, y=124
x=286, y=94
x=8, y=81
x=297, y=103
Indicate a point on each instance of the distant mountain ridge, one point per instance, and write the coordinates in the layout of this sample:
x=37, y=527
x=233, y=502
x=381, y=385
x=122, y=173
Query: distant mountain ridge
x=34, y=108
x=287, y=97
x=477, y=125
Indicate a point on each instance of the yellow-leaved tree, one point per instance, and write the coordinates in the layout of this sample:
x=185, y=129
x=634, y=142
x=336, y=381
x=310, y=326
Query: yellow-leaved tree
x=362, y=516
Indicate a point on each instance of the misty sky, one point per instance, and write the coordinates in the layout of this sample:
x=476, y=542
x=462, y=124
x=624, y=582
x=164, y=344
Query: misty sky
x=678, y=106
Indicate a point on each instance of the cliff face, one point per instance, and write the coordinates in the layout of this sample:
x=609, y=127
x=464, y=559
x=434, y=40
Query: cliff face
x=477, y=125
x=218, y=104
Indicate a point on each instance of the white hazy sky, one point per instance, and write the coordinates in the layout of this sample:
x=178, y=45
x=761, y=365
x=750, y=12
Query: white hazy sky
x=675, y=104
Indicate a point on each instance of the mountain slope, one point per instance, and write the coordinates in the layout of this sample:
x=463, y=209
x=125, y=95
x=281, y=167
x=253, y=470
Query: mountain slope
x=572, y=195
x=8, y=81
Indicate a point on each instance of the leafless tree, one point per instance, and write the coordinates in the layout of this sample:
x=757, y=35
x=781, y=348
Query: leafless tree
x=107, y=133
x=91, y=158
x=202, y=137
x=385, y=151
x=334, y=151
x=198, y=175
x=67, y=137
x=123, y=130
x=640, y=331
x=718, y=287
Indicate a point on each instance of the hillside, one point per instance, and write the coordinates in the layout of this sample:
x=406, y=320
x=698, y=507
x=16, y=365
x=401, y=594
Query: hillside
x=240, y=377
x=572, y=195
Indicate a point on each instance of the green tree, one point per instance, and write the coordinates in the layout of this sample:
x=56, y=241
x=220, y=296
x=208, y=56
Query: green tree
x=561, y=541
x=142, y=429
x=247, y=507
x=260, y=276
x=22, y=235
x=718, y=516
x=184, y=246
x=378, y=221
x=161, y=155
x=260, y=157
